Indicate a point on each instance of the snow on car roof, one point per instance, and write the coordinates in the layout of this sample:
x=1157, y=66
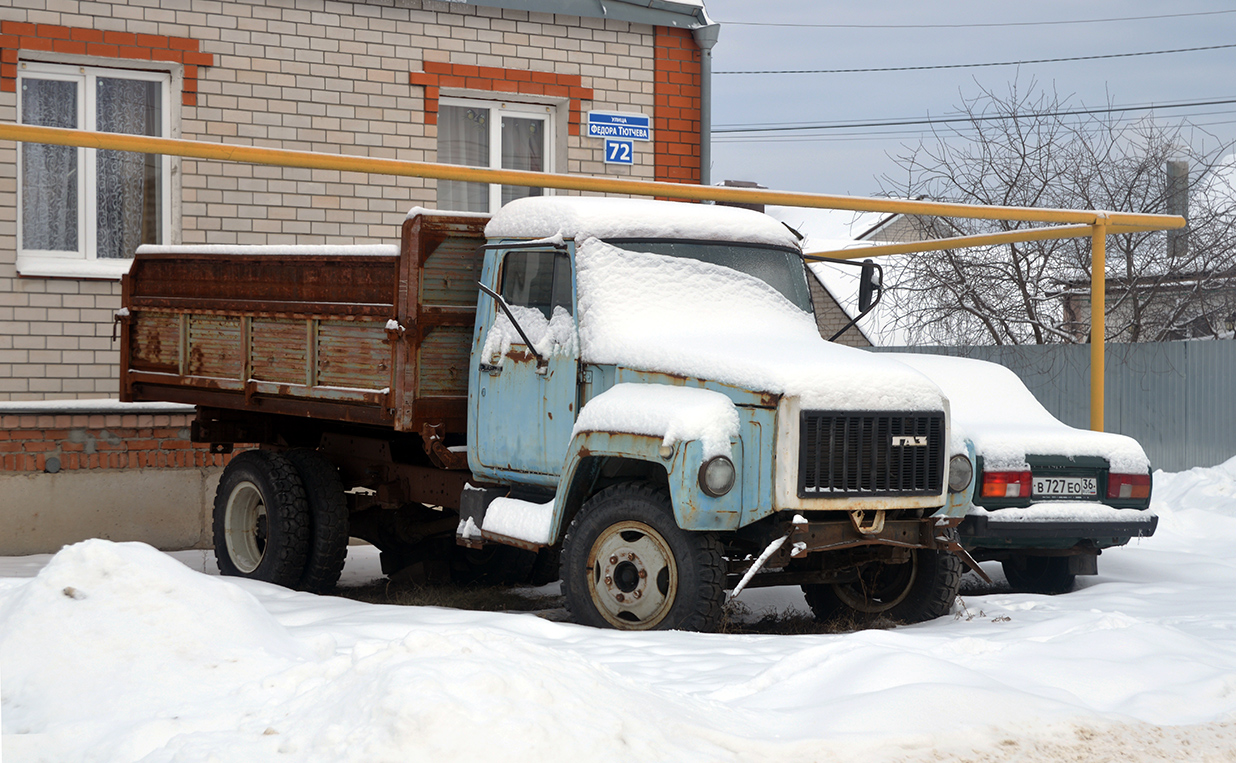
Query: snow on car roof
x=992, y=407
x=611, y=218
x=681, y=316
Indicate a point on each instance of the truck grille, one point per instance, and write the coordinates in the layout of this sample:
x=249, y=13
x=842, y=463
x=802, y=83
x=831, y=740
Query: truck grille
x=870, y=454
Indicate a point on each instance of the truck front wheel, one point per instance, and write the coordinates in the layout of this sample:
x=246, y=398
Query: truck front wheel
x=921, y=589
x=626, y=564
x=261, y=519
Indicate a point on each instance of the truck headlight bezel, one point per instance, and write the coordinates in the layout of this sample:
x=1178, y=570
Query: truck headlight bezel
x=717, y=476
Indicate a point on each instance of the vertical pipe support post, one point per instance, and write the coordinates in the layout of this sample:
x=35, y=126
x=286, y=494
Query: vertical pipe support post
x=1098, y=318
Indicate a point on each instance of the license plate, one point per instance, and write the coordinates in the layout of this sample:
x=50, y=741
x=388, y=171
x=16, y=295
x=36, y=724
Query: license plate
x=1065, y=486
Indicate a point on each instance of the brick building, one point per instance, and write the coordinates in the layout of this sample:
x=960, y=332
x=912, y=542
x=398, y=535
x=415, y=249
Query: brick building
x=505, y=84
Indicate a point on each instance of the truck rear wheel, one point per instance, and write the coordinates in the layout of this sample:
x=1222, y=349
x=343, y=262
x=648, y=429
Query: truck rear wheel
x=328, y=519
x=626, y=564
x=261, y=519
x=1039, y=574
x=921, y=589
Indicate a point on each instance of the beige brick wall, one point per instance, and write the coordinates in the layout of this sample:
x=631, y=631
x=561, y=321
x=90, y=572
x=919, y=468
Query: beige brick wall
x=308, y=75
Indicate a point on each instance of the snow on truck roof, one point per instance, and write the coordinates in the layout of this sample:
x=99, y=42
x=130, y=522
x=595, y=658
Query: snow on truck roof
x=617, y=218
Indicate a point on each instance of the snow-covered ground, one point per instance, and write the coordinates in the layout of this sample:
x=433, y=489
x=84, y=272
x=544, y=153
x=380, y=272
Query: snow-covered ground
x=116, y=652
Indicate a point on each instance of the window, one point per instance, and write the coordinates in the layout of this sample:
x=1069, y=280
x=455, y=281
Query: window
x=496, y=135
x=538, y=279
x=83, y=212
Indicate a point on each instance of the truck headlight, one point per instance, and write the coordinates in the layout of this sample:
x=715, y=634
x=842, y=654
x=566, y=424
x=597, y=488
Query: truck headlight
x=717, y=476
x=960, y=472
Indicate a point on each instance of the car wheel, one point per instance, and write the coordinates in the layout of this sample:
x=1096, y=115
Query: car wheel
x=1039, y=574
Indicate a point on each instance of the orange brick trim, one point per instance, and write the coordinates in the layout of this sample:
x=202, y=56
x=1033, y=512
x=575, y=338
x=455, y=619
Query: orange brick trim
x=676, y=114
x=17, y=36
x=439, y=75
x=82, y=441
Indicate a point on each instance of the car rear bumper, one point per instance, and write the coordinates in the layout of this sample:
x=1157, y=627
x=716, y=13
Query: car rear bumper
x=1056, y=521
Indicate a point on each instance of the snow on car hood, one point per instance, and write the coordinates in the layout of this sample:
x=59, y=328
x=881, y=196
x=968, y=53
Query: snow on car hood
x=681, y=316
x=609, y=218
x=992, y=407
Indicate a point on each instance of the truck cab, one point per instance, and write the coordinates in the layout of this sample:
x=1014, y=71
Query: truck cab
x=648, y=393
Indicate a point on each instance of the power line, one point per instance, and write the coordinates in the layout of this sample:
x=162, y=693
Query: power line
x=974, y=26
x=894, y=134
x=976, y=66
x=969, y=118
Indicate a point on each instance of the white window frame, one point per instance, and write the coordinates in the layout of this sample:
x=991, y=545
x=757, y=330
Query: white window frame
x=84, y=263
x=498, y=109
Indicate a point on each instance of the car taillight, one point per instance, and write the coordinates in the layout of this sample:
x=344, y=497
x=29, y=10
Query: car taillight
x=1128, y=486
x=1006, y=484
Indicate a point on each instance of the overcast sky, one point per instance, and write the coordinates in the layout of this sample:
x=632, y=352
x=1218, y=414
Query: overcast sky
x=849, y=161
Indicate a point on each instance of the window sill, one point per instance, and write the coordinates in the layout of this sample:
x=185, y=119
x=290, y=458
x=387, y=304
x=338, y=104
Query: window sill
x=70, y=267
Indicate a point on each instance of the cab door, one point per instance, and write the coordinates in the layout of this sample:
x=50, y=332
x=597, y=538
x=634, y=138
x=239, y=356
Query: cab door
x=521, y=416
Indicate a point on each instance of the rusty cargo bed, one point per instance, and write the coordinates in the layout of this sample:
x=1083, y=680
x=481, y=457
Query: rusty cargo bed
x=355, y=334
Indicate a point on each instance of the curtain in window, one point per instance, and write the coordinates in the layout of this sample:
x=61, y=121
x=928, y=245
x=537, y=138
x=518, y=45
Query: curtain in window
x=523, y=148
x=49, y=173
x=463, y=138
x=127, y=212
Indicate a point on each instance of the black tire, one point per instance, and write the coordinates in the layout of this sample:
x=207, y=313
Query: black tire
x=921, y=589
x=657, y=576
x=1039, y=574
x=261, y=519
x=494, y=564
x=328, y=520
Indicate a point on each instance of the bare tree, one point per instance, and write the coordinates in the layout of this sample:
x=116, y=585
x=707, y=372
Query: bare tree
x=1024, y=148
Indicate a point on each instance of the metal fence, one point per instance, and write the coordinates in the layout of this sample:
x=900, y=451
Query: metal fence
x=1178, y=399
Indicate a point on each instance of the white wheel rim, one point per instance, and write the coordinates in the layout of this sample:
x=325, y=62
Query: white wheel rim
x=634, y=578
x=244, y=530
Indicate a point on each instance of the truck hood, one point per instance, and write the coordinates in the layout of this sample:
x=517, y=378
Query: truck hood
x=680, y=316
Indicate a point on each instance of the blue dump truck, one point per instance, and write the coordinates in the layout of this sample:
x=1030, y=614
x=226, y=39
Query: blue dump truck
x=630, y=395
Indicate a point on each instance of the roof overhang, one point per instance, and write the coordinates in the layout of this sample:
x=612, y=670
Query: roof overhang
x=687, y=14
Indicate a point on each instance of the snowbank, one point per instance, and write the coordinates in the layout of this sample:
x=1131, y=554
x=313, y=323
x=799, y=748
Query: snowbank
x=994, y=409
x=607, y=218
x=675, y=414
x=681, y=316
x=115, y=652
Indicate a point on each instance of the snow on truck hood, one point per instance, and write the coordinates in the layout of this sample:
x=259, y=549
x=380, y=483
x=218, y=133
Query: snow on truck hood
x=992, y=407
x=682, y=316
x=610, y=218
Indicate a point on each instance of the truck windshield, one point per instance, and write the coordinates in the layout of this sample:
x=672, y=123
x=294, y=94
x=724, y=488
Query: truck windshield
x=780, y=268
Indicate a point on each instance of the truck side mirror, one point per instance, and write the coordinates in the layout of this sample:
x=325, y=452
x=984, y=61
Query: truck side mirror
x=869, y=282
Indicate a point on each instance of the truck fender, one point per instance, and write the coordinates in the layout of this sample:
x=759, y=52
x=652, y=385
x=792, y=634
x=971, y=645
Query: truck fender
x=592, y=453
x=959, y=502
